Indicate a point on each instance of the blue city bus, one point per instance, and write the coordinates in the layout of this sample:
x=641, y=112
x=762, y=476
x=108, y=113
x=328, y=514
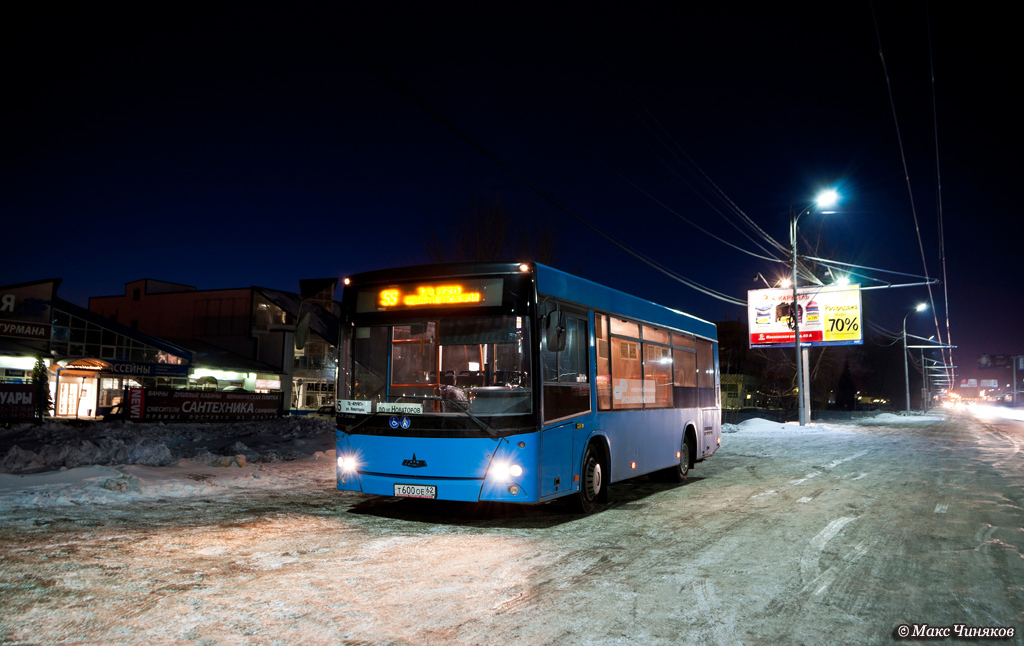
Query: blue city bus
x=517, y=383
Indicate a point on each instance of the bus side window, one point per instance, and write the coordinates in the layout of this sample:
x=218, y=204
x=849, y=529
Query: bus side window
x=604, y=366
x=706, y=374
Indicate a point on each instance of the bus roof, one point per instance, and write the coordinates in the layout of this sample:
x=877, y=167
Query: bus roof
x=571, y=288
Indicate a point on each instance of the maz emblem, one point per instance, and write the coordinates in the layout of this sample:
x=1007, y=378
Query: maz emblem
x=414, y=463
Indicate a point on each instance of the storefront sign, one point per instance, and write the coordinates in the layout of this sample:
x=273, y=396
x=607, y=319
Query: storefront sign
x=25, y=330
x=147, y=369
x=268, y=384
x=828, y=315
x=201, y=406
x=18, y=402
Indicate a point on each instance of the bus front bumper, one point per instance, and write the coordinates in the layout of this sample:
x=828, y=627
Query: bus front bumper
x=457, y=489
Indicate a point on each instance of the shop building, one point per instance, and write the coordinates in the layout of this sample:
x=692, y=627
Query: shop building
x=248, y=327
x=91, y=359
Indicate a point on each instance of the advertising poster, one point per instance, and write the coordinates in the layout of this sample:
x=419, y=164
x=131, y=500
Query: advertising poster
x=201, y=406
x=18, y=402
x=828, y=315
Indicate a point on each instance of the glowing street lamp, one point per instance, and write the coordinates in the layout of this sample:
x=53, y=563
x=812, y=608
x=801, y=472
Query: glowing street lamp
x=906, y=369
x=825, y=199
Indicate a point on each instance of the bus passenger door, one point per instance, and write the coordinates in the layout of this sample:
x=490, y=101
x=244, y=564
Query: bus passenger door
x=556, y=460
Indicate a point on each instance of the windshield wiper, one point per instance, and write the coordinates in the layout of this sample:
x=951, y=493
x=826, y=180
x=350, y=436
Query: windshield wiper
x=482, y=424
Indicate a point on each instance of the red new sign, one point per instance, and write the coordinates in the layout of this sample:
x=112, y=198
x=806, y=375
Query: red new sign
x=762, y=338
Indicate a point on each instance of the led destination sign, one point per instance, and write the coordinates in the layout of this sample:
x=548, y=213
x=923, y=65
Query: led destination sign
x=440, y=295
x=470, y=293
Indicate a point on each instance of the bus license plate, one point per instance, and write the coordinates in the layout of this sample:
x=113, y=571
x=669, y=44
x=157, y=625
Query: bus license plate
x=415, y=491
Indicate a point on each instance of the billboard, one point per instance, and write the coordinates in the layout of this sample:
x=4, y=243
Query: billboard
x=201, y=405
x=989, y=383
x=994, y=361
x=828, y=315
x=968, y=383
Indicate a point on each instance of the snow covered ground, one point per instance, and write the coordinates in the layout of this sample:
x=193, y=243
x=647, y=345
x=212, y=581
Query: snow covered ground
x=121, y=463
x=834, y=533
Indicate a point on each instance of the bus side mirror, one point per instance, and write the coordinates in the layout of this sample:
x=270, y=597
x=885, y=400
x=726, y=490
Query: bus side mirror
x=555, y=331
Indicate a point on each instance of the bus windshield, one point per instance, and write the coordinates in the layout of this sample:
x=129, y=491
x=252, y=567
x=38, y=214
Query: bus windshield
x=479, y=364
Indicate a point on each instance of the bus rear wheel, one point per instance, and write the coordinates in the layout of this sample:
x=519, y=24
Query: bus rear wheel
x=592, y=482
x=679, y=472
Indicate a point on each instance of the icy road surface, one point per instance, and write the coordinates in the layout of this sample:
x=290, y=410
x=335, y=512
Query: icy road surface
x=831, y=534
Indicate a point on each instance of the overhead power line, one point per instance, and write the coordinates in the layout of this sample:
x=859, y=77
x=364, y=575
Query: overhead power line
x=906, y=172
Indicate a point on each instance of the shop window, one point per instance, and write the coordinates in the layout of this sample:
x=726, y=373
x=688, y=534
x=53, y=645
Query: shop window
x=77, y=335
x=108, y=338
x=61, y=318
x=92, y=349
x=59, y=334
x=107, y=352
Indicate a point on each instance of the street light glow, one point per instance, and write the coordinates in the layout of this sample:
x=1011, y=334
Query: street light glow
x=827, y=198
x=922, y=307
x=785, y=282
x=843, y=280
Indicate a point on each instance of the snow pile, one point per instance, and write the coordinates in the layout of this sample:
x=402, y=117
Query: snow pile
x=29, y=449
x=890, y=418
x=755, y=425
x=183, y=478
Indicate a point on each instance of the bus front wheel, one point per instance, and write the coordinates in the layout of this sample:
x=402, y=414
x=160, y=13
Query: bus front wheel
x=593, y=481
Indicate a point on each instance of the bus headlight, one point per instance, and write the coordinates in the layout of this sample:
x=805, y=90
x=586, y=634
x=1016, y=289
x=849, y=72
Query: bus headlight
x=503, y=471
x=347, y=463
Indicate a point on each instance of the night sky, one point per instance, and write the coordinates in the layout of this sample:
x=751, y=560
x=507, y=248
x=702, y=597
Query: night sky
x=257, y=145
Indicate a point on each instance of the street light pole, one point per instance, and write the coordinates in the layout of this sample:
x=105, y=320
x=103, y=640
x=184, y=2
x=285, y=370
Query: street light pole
x=794, y=316
x=824, y=199
x=906, y=368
